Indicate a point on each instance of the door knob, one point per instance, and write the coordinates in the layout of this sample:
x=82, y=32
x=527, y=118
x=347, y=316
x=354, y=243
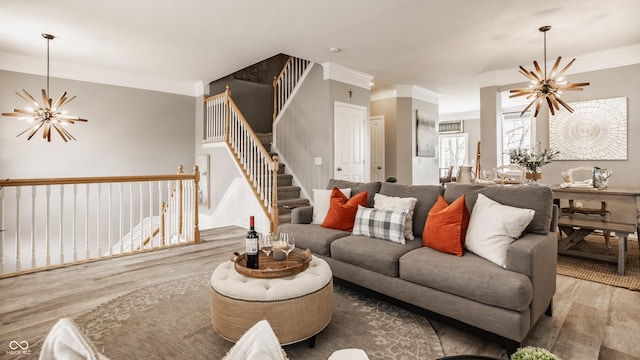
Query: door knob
x=339, y=169
x=379, y=167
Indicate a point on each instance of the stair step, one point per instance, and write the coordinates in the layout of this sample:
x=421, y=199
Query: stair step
x=288, y=192
x=285, y=180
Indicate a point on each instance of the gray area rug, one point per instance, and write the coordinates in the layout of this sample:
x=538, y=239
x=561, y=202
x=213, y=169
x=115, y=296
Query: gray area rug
x=171, y=320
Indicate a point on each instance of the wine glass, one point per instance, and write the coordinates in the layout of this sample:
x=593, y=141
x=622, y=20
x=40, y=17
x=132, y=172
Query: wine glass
x=289, y=243
x=265, y=243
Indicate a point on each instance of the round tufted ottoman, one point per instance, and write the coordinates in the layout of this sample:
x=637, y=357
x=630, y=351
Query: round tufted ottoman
x=297, y=307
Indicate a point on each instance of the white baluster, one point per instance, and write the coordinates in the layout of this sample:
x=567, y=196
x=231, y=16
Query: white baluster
x=110, y=251
x=17, y=228
x=75, y=227
x=87, y=253
x=120, y=238
x=61, y=224
x=1, y=232
x=141, y=216
x=98, y=227
x=46, y=228
x=150, y=215
x=130, y=217
x=33, y=226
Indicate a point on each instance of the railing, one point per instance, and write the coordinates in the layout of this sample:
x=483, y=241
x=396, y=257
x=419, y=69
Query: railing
x=285, y=83
x=92, y=214
x=225, y=123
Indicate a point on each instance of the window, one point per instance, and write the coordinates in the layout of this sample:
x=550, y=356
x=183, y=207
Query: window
x=514, y=130
x=453, y=150
x=517, y=131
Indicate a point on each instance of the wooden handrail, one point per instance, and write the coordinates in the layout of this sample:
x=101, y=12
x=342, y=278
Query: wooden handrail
x=282, y=72
x=250, y=131
x=95, y=180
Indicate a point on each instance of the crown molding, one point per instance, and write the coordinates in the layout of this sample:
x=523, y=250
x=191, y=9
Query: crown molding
x=332, y=71
x=418, y=92
x=465, y=115
x=623, y=56
x=28, y=65
x=411, y=91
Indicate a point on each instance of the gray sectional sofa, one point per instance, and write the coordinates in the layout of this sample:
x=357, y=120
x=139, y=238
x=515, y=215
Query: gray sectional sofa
x=470, y=289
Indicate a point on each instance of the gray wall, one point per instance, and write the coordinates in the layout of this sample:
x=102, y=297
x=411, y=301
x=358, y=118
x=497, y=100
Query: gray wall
x=306, y=129
x=254, y=99
x=130, y=131
x=400, y=140
x=425, y=170
x=608, y=83
x=388, y=109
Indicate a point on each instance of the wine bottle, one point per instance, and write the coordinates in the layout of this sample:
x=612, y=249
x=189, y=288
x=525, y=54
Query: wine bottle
x=251, y=245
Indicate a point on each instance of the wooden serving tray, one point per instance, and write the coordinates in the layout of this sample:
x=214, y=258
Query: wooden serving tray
x=297, y=262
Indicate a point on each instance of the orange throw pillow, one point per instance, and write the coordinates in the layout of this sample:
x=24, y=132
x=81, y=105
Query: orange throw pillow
x=342, y=211
x=446, y=226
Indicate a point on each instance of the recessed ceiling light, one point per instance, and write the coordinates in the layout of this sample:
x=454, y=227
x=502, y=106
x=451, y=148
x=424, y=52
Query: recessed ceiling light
x=334, y=50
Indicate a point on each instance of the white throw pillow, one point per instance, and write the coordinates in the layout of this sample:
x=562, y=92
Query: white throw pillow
x=66, y=342
x=258, y=343
x=321, y=203
x=392, y=203
x=493, y=227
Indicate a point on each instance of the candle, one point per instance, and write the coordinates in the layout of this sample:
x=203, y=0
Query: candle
x=278, y=252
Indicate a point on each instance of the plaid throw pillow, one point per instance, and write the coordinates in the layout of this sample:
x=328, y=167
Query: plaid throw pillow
x=380, y=224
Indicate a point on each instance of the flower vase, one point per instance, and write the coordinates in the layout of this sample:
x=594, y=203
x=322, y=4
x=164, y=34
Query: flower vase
x=533, y=176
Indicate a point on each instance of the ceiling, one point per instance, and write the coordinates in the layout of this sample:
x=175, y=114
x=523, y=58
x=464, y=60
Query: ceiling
x=449, y=47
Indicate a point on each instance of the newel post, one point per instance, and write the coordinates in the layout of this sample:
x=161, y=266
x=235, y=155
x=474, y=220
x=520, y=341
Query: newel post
x=275, y=98
x=275, y=219
x=196, y=226
x=227, y=113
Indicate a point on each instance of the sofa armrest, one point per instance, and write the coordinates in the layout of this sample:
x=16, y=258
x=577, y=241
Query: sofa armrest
x=536, y=256
x=302, y=215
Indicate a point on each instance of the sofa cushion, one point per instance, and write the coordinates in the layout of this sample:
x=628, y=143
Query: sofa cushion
x=371, y=188
x=380, y=224
x=493, y=226
x=538, y=198
x=313, y=237
x=469, y=276
x=321, y=201
x=376, y=255
x=342, y=211
x=426, y=195
x=446, y=226
x=392, y=203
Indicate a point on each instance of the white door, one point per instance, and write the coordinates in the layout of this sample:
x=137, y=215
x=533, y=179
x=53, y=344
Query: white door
x=377, y=148
x=350, y=134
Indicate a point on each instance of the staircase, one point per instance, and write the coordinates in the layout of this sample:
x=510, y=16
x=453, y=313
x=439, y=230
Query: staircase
x=225, y=123
x=288, y=194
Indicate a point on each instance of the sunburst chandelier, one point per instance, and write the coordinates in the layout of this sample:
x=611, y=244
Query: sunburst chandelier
x=545, y=87
x=47, y=116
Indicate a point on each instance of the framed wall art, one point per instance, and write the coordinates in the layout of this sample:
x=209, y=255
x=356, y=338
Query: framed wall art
x=426, y=135
x=596, y=130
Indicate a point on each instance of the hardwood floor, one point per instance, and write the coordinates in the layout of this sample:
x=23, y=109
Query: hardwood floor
x=590, y=320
